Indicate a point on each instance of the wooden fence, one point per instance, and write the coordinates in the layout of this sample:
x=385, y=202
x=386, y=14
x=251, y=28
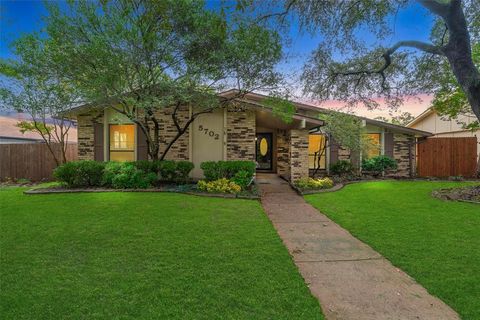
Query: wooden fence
x=447, y=157
x=32, y=161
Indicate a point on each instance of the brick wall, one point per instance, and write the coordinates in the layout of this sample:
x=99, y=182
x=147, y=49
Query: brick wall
x=298, y=154
x=180, y=149
x=402, y=143
x=240, y=133
x=85, y=134
x=283, y=153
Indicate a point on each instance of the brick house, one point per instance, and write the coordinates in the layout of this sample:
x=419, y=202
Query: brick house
x=244, y=131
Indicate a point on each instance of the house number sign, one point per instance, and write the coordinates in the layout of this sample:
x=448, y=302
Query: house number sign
x=208, y=132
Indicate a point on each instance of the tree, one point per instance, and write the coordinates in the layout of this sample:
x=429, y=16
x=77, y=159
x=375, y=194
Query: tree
x=34, y=85
x=345, y=67
x=450, y=101
x=402, y=119
x=138, y=57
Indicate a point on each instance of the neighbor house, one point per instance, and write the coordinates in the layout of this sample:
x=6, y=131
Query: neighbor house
x=246, y=130
x=10, y=133
x=442, y=127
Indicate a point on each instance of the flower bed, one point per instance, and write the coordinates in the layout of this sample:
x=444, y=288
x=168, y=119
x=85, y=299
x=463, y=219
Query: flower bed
x=470, y=194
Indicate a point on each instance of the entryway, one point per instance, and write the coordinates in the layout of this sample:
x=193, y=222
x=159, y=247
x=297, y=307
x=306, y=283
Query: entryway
x=264, y=151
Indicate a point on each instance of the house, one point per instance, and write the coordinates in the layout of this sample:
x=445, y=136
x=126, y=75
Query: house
x=442, y=127
x=246, y=130
x=10, y=133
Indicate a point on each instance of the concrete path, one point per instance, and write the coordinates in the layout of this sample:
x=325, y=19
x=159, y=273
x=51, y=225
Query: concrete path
x=350, y=279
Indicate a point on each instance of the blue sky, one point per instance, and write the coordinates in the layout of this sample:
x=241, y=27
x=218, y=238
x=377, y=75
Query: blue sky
x=18, y=17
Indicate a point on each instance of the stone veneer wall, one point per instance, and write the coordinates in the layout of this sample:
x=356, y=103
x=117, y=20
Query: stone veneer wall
x=283, y=153
x=180, y=149
x=402, y=143
x=86, y=134
x=298, y=154
x=240, y=133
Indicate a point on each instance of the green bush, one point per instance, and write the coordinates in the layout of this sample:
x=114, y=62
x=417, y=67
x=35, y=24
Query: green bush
x=183, y=170
x=146, y=166
x=129, y=177
x=222, y=185
x=112, y=169
x=167, y=170
x=80, y=173
x=314, y=184
x=378, y=164
x=342, y=167
x=242, y=178
x=226, y=169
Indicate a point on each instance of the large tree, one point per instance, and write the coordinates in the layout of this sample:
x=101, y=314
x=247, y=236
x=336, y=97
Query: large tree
x=138, y=57
x=33, y=84
x=345, y=66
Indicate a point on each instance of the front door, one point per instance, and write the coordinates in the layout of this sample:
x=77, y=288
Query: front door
x=264, y=151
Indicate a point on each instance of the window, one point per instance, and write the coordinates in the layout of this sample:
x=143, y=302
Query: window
x=122, y=142
x=374, y=147
x=316, y=151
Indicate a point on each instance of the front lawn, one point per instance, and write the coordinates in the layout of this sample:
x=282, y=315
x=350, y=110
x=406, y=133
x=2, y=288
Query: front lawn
x=436, y=242
x=144, y=256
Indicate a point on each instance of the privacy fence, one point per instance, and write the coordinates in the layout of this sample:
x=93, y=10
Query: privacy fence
x=31, y=161
x=447, y=157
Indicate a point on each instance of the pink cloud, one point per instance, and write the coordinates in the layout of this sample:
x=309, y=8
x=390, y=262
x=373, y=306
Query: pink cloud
x=413, y=104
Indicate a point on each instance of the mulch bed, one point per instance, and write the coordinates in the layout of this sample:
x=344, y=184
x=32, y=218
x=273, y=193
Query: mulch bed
x=468, y=194
x=187, y=189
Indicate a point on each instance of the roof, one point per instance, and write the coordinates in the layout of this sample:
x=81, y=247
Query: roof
x=421, y=116
x=256, y=99
x=310, y=107
x=8, y=129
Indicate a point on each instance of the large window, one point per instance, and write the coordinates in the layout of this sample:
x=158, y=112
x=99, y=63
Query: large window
x=374, y=145
x=122, y=142
x=316, y=151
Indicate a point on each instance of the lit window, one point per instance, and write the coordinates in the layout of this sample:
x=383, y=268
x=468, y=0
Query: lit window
x=374, y=145
x=122, y=142
x=316, y=151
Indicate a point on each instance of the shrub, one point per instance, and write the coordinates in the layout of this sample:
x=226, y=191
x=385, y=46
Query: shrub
x=80, y=173
x=167, y=170
x=112, y=169
x=378, y=164
x=183, y=170
x=242, y=178
x=127, y=176
x=342, y=167
x=314, y=184
x=146, y=166
x=66, y=173
x=226, y=169
x=222, y=185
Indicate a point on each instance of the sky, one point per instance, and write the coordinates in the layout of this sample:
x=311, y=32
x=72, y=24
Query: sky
x=412, y=23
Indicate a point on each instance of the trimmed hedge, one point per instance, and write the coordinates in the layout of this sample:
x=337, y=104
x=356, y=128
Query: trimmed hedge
x=80, y=173
x=379, y=164
x=242, y=170
x=122, y=175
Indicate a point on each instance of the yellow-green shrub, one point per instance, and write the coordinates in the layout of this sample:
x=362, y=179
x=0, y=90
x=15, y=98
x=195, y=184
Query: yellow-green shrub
x=311, y=183
x=222, y=185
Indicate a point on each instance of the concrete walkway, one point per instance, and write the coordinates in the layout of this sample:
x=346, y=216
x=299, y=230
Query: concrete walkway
x=350, y=279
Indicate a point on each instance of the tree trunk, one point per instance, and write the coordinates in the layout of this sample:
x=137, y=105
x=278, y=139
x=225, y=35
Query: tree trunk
x=459, y=54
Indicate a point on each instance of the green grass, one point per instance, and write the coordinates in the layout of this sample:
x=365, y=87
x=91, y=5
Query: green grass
x=144, y=256
x=436, y=242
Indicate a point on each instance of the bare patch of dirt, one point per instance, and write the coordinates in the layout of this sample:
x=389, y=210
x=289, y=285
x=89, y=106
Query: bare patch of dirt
x=459, y=194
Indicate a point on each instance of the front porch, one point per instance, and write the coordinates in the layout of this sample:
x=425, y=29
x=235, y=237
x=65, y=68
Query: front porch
x=282, y=148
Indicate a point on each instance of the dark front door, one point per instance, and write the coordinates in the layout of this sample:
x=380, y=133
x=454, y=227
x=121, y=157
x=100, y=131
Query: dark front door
x=264, y=151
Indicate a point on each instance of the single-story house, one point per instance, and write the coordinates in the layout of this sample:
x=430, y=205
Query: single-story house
x=442, y=127
x=246, y=130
